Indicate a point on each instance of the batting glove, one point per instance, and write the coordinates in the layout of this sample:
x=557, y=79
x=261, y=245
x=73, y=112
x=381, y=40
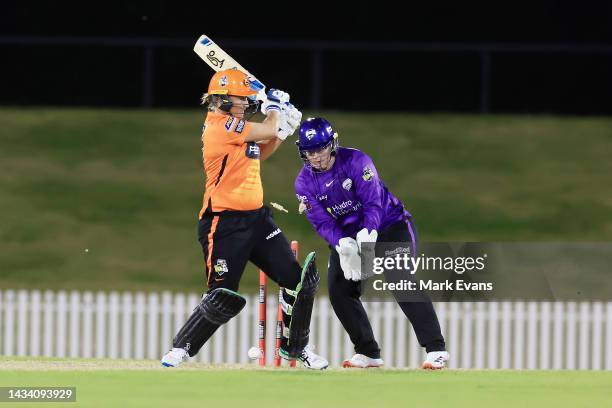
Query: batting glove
x=289, y=121
x=275, y=99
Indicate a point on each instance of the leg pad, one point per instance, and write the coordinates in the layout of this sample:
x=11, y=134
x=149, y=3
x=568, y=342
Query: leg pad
x=215, y=309
x=299, y=327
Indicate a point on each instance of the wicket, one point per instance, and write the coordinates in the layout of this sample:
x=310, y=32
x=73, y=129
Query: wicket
x=263, y=286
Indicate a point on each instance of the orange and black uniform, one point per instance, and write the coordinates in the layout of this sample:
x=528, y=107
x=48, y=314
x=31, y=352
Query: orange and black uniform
x=231, y=166
x=235, y=226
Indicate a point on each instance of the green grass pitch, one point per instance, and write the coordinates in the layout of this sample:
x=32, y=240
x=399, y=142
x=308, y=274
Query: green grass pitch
x=107, y=383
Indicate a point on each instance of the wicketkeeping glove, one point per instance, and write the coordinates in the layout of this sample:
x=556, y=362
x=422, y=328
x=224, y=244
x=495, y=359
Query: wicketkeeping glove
x=363, y=236
x=350, y=261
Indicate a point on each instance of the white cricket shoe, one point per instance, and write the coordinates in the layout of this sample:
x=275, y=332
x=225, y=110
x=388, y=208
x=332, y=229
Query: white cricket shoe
x=174, y=357
x=312, y=360
x=436, y=360
x=361, y=361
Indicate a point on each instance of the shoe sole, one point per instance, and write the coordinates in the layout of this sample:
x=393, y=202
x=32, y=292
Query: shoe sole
x=348, y=364
x=429, y=366
x=314, y=368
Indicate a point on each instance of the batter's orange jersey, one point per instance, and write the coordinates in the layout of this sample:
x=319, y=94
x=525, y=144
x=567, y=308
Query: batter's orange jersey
x=231, y=165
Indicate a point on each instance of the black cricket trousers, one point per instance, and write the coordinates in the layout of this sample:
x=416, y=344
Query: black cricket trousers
x=230, y=239
x=345, y=296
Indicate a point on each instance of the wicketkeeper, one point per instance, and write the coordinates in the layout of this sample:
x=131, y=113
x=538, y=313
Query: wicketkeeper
x=234, y=225
x=348, y=205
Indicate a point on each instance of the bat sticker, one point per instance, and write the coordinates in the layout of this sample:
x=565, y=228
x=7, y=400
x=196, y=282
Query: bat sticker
x=214, y=60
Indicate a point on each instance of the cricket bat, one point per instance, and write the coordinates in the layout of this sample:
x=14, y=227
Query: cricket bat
x=217, y=59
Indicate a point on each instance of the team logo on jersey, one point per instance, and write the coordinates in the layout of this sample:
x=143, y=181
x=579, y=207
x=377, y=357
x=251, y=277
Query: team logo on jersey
x=347, y=184
x=252, y=150
x=367, y=173
x=223, y=81
x=230, y=121
x=221, y=267
x=321, y=197
x=311, y=133
x=240, y=126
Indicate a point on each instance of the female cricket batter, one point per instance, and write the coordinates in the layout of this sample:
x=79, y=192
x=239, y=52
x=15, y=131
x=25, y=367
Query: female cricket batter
x=348, y=205
x=234, y=225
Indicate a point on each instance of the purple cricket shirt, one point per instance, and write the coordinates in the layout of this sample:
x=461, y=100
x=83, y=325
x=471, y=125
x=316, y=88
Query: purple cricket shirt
x=350, y=196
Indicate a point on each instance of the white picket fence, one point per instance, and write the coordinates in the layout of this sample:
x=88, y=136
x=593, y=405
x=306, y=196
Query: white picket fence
x=512, y=335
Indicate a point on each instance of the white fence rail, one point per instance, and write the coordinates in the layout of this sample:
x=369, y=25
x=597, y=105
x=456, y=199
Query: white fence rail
x=519, y=335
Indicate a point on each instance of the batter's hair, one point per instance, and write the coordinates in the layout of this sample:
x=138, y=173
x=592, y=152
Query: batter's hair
x=223, y=102
x=212, y=102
